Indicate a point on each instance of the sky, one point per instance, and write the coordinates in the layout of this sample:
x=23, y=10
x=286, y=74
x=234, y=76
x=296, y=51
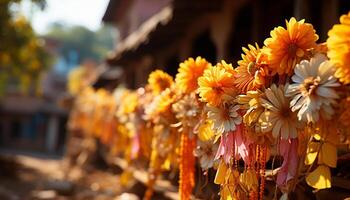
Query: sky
x=87, y=13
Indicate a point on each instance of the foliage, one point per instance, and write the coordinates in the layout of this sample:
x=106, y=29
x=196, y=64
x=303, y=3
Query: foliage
x=22, y=53
x=88, y=44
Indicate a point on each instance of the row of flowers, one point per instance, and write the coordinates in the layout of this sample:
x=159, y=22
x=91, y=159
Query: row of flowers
x=289, y=98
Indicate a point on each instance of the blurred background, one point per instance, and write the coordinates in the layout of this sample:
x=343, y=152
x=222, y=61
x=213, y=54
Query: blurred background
x=52, y=49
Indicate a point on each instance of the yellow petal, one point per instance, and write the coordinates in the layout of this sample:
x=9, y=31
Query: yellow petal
x=320, y=178
x=311, y=152
x=328, y=155
x=220, y=173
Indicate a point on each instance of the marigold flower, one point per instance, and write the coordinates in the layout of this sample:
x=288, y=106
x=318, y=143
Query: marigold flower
x=226, y=66
x=205, y=131
x=286, y=47
x=159, y=81
x=216, y=86
x=252, y=69
x=251, y=103
x=161, y=106
x=189, y=71
x=338, y=45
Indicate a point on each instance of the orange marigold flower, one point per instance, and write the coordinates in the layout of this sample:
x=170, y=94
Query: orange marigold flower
x=216, y=86
x=159, y=81
x=252, y=69
x=287, y=47
x=338, y=45
x=228, y=67
x=189, y=71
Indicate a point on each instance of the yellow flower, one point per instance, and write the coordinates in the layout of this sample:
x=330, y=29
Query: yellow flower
x=252, y=69
x=216, y=86
x=205, y=131
x=338, y=45
x=167, y=97
x=159, y=81
x=286, y=47
x=189, y=71
x=128, y=104
x=251, y=103
x=161, y=106
x=227, y=67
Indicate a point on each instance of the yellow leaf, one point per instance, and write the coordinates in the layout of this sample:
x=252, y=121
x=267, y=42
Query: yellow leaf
x=320, y=178
x=328, y=155
x=220, y=173
x=311, y=152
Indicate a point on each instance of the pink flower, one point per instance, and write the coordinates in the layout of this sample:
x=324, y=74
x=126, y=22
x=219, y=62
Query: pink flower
x=235, y=144
x=226, y=146
x=289, y=151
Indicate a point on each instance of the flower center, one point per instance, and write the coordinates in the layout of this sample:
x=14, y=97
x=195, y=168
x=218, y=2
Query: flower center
x=252, y=68
x=285, y=112
x=292, y=49
x=310, y=85
x=225, y=114
x=218, y=89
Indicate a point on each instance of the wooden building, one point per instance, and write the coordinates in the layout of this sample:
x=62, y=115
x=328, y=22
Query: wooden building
x=29, y=123
x=161, y=33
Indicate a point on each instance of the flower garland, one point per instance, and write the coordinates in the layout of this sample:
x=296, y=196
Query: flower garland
x=282, y=99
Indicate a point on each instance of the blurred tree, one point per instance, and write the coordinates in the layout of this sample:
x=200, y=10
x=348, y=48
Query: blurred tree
x=88, y=44
x=22, y=53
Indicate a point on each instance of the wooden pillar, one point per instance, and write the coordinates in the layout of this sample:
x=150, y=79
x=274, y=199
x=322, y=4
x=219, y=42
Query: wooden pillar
x=52, y=133
x=221, y=26
x=257, y=20
x=185, y=49
x=301, y=9
x=329, y=17
x=6, y=130
x=220, y=29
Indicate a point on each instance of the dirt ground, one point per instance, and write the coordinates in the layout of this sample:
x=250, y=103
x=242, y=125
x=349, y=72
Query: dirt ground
x=27, y=177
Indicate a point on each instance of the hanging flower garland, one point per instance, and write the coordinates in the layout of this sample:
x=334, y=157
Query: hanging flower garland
x=282, y=99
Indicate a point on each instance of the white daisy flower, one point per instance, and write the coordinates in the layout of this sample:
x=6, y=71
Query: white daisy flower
x=225, y=118
x=313, y=89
